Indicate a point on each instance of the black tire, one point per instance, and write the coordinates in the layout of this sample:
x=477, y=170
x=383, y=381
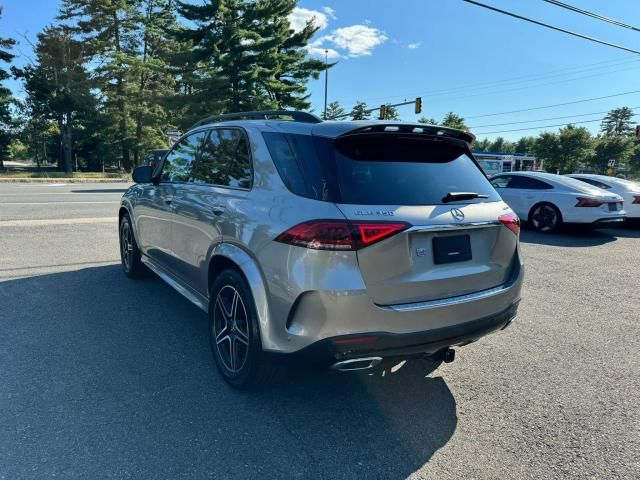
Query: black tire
x=235, y=335
x=130, y=255
x=545, y=218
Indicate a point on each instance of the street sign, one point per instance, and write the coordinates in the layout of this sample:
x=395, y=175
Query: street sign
x=612, y=163
x=172, y=137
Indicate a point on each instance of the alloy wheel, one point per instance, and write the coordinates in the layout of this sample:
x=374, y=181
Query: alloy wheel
x=231, y=328
x=544, y=218
x=126, y=244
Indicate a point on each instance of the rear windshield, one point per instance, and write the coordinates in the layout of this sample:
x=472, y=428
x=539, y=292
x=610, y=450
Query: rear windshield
x=377, y=169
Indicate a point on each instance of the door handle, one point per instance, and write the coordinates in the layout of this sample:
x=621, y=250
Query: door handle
x=218, y=210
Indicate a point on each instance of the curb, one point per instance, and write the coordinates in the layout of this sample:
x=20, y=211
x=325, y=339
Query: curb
x=65, y=180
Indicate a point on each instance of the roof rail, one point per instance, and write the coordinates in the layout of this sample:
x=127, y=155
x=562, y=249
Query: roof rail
x=261, y=115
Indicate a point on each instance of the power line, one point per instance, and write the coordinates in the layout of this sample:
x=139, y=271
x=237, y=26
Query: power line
x=551, y=106
x=592, y=14
x=584, y=68
x=569, y=32
x=543, y=126
x=545, y=119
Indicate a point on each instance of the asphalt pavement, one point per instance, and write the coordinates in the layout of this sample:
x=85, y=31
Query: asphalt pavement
x=106, y=377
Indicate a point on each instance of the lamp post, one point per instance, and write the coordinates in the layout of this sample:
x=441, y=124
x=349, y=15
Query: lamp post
x=326, y=81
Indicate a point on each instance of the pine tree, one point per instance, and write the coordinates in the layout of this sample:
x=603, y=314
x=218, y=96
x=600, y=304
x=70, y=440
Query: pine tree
x=618, y=122
x=453, y=120
x=5, y=98
x=107, y=29
x=430, y=121
x=334, y=110
x=58, y=86
x=359, y=111
x=243, y=55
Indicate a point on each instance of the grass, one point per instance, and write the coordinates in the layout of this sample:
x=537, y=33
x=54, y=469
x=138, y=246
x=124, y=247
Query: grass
x=56, y=175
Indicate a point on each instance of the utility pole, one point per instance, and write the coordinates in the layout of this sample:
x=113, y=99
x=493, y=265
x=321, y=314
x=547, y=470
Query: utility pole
x=326, y=81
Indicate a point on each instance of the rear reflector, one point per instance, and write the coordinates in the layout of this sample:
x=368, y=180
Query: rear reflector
x=511, y=221
x=339, y=234
x=588, y=202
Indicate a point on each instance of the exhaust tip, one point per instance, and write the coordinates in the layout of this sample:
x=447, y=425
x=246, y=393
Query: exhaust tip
x=356, y=364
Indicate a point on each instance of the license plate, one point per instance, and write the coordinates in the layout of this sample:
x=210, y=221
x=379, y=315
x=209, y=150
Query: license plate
x=456, y=248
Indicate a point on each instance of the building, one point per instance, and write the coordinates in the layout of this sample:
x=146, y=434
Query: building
x=496, y=162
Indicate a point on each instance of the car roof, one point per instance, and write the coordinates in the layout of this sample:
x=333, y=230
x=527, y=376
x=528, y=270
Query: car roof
x=620, y=182
x=559, y=180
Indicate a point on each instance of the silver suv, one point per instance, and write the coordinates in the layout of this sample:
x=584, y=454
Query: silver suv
x=339, y=244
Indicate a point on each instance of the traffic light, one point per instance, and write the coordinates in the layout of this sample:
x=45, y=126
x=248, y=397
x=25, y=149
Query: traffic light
x=637, y=131
x=383, y=112
x=418, y=104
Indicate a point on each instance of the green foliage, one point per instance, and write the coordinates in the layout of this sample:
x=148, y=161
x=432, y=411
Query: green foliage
x=359, y=111
x=6, y=98
x=618, y=122
x=618, y=148
x=452, y=120
x=565, y=151
x=334, y=109
x=430, y=121
x=391, y=113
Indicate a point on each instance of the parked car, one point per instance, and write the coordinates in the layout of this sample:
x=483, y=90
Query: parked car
x=546, y=200
x=154, y=157
x=628, y=190
x=330, y=243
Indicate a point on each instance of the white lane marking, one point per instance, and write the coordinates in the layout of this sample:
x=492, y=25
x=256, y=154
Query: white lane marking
x=57, y=221
x=57, y=203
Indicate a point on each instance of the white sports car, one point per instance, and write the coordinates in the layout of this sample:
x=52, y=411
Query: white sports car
x=546, y=201
x=629, y=191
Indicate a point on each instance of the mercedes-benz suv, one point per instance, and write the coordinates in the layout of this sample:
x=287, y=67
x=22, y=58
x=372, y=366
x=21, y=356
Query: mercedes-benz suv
x=335, y=243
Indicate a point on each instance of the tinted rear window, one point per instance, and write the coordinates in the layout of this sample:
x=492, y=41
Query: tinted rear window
x=376, y=169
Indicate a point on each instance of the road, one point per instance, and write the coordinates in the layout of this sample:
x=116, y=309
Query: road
x=105, y=377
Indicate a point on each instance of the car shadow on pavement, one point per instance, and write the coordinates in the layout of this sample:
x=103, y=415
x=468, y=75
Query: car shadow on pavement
x=107, y=377
x=568, y=236
x=101, y=190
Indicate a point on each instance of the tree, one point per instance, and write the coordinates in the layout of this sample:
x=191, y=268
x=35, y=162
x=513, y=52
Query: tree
x=575, y=147
x=5, y=99
x=452, y=120
x=525, y=145
x=430, y=121
x=106, y=28
x=618, y=123
x=243, y=55
x=501, y=145
x=547, y=148
x=359, y=111
x=58, y=86
x=334, y=109
x=481, y=145
x=617, y=148
x=392, y=113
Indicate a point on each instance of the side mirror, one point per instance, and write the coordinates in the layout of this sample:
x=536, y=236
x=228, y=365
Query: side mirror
x=143, y=174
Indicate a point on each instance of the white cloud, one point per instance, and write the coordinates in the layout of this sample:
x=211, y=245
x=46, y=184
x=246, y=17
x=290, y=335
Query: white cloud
x=330, y=12
x=316, y=51
x=357, y=40
x=414, y=45
x=299, y=17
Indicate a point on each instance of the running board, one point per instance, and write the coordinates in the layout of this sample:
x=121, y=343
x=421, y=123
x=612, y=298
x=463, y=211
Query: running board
x=195, y=298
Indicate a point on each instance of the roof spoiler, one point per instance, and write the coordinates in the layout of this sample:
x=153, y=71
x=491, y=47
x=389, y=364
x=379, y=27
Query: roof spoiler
x=261, y=115
x=419, y=129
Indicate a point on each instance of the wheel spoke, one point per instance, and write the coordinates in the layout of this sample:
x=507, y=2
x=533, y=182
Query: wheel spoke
x=222, y=336
x=242, y=337
x=232, y=355
x=223, y=309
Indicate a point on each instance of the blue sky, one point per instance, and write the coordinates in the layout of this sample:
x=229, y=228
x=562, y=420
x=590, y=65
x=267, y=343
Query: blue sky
x=457, y=56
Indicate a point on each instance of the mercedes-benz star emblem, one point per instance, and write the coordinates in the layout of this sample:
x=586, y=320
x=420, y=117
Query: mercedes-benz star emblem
x=457, y=214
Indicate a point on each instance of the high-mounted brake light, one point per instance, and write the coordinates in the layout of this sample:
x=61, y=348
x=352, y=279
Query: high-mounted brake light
x=339, y=234
x=588, y=202
x=511, y=221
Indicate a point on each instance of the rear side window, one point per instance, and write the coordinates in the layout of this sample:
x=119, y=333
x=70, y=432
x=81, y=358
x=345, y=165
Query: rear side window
x=528, y=183
x=392, y=169
x=593, y=182
x=225, y=160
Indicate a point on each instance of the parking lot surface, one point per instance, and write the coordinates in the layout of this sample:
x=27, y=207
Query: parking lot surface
x=105, y=377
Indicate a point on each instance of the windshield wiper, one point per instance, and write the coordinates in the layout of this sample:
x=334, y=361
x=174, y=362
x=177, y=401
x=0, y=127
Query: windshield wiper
x=454, y=196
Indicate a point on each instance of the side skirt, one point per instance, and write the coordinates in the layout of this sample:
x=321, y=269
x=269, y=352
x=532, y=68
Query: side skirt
x=194, y=297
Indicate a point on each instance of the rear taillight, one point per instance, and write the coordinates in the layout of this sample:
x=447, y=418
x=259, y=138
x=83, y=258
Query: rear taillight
x=588, y=202
x=636, y=200
x=339, y=234
x=511, y=221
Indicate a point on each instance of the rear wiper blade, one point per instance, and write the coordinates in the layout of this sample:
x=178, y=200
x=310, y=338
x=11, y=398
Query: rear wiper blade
x=454, y=196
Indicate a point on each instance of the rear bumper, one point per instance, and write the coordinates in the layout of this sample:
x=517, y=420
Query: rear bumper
x=603, y=222
x=387, y=345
